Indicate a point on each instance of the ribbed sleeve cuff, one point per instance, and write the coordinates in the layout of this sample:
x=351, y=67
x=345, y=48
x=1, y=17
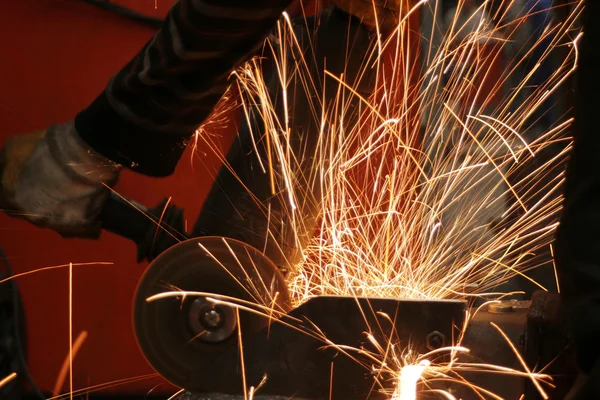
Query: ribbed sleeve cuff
x=108, y=133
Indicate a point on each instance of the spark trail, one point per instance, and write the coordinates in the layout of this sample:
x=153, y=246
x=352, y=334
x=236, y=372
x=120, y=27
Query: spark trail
x=439, y=183
x=444, y=144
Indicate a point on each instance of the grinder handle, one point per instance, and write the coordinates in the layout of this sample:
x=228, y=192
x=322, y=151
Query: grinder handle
x=125, y=217
x=153, y=229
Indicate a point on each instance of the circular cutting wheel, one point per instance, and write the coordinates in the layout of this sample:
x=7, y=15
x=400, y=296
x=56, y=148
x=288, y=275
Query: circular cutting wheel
x=179, y=334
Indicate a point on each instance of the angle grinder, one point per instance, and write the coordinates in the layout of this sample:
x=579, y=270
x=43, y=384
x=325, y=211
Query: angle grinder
x=180, y=331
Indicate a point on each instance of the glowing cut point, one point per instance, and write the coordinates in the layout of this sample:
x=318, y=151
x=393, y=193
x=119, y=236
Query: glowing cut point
x=407, y=383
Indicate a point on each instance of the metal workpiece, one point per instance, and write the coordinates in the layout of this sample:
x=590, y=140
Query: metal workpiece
x=536, y=331
x=301, y=366
x=487, y=346
x=316, y=351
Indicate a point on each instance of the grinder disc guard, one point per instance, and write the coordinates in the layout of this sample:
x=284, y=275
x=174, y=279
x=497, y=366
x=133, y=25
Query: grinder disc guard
x=178, y=335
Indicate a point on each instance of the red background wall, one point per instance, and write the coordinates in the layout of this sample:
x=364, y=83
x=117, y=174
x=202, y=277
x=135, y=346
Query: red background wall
x=57, y=56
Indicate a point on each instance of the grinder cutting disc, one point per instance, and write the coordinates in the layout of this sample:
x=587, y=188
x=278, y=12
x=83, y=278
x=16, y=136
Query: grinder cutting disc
x=178, y=335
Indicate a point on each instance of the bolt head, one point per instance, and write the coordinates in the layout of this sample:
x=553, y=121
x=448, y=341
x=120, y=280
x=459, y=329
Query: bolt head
x=435, y=340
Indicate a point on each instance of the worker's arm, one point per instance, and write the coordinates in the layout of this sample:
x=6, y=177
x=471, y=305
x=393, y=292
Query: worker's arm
x=577, y=251
x=142, y=120
x=151, y=108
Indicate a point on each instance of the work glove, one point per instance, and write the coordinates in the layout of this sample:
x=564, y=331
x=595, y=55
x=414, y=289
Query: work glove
x=55, y=180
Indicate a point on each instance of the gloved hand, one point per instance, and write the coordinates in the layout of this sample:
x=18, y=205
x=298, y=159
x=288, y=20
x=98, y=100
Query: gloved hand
x=54, y=180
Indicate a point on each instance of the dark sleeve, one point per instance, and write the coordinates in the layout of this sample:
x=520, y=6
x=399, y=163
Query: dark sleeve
x=577, y=251
x=149, y=110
